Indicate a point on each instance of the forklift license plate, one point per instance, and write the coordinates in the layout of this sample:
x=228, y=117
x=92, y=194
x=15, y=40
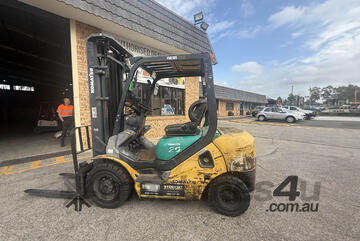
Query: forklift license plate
x=162, y=190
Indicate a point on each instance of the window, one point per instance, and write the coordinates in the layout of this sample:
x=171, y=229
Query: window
x=293, y=108
x=168, y=101
x=4, y=87
x=267, y=109
x=229, y=106
x=275, y=109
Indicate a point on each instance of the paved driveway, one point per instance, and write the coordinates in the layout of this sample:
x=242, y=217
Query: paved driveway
x=326, y=155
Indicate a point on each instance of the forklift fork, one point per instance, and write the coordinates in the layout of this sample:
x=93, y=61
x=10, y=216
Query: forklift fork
x=78, y=193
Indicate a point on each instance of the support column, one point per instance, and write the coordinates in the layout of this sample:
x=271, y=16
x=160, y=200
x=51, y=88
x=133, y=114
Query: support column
x=75, y=75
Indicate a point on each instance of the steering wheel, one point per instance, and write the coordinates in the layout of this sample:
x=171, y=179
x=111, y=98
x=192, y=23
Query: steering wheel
x=138, y=106
x=147, y=108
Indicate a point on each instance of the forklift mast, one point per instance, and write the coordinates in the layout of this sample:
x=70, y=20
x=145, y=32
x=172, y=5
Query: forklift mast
x=107, y=71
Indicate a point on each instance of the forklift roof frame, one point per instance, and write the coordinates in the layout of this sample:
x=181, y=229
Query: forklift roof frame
x=164, y=66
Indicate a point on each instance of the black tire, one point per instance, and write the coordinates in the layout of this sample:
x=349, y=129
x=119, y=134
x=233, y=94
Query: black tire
x=108, y=185
x=229, y=195
x=290, y=119
x=261, y=118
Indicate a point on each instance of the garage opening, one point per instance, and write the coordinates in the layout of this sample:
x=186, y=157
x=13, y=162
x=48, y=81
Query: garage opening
x=35, y=76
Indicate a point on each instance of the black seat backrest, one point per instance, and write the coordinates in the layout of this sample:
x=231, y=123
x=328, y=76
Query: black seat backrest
x=197, y=111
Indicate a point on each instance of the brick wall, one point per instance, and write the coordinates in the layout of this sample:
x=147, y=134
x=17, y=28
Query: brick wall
x=158, y=123
x=82, y=32
x=222, y=108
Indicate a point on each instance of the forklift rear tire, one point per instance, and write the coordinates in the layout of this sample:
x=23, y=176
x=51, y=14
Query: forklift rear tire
x=229, y=195
x=108, y=185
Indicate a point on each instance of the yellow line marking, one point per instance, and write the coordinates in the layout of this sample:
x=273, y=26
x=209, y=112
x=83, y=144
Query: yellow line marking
x=8, y=170
x=60, y=159
x=35, y=164
x=261, y=123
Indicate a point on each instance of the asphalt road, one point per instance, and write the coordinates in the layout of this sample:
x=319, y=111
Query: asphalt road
x=333, y=122
x=326, y=155
x=319, y=121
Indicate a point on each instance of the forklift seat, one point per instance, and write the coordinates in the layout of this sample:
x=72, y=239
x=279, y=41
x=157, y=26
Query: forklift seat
x=196, y=113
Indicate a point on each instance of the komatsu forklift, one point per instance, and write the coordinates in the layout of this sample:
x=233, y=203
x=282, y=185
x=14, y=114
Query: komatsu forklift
x=192, y=161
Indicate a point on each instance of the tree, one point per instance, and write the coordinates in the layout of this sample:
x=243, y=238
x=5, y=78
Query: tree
x=328, y=93
x=314, y=94
x=346, y=93
x=291, y=99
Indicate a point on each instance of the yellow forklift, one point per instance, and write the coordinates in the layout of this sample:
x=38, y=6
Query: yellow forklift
x=193, y=161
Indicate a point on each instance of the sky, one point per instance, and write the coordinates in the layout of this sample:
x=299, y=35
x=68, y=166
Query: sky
x=267, y=46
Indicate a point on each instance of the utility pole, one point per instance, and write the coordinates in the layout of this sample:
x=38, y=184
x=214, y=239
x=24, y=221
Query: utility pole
x=355, y=95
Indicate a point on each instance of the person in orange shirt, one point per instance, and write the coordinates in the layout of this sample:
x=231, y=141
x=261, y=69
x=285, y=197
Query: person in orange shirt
x=66, y=115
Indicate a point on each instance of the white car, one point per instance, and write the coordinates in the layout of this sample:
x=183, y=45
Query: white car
x=277, y=113
x=308, y=113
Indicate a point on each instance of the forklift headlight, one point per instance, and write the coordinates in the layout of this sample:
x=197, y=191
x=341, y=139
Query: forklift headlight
x=242, y=163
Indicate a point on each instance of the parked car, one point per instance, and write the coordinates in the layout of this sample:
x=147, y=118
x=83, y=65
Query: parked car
x=308, y=113
x=277, y=113
x=256, y=110
x=314, y=108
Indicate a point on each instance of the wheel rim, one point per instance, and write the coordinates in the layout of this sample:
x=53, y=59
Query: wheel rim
x=230, y=198
x=261, y=118
x=290, y=119
x=106, y=187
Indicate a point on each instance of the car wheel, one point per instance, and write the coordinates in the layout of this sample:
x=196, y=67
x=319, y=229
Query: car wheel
x=261, y=118
x=229, y=195
x=108, y=185
x=290, y=119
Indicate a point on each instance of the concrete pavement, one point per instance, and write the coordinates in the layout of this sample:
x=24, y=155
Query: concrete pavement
x=327, y=155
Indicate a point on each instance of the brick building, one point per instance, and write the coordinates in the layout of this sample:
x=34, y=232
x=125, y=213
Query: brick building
x=235, y=102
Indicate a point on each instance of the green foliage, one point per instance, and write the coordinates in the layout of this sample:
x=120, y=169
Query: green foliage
x=345, y=93
x=314, y=94
x=334, y=95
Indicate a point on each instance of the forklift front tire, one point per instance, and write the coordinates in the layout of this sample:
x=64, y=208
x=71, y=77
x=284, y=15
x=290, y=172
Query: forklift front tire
x=108, y=185
x=229, y=195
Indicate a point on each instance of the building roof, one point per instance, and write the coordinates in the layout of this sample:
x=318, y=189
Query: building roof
x=226, y=93
x=151, y=19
